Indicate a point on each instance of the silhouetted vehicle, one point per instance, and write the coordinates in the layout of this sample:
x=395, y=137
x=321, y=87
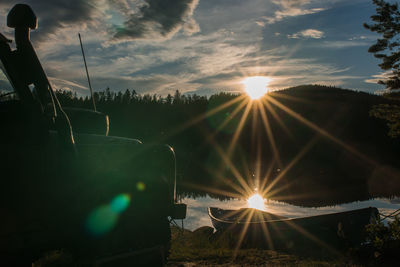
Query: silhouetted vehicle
x=64, y=187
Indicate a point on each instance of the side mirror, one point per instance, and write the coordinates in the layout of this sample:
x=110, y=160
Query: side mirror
x=87, y=121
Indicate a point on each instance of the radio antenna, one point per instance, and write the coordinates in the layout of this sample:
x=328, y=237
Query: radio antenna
x=87, y=72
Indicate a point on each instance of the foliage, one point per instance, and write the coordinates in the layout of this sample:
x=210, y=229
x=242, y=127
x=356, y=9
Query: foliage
x=384, y=243
x=387, y=23
x=390, y=113
x=381, y=235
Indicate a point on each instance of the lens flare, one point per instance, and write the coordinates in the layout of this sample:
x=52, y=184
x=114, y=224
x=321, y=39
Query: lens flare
x=120, y=203
x=140, y=186
x=104, y=218
x=101, y=220
x=256, y=201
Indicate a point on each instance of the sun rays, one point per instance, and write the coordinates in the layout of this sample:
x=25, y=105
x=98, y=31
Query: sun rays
x=260, y=177
x=261, y=113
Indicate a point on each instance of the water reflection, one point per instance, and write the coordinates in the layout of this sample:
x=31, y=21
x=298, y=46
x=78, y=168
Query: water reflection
x=197, y=215
x=256, y=201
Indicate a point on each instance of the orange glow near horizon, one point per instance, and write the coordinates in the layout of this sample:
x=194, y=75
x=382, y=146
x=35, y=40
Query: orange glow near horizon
x=256, y=86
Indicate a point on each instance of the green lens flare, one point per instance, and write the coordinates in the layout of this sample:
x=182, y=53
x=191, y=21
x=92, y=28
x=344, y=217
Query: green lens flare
x=140, y=186
x=120, y=203
x=101, y=220
x=104, y=218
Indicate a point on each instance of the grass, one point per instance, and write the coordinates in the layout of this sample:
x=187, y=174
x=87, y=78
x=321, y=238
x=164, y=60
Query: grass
x=204, y=248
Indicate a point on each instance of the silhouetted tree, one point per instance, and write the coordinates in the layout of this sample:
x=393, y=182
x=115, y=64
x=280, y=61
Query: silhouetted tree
x=118, y=98
x=177, y=98
x=168, y=100
x=109, y=95
x=390, y=113
x=387, y=23
x=126, y=98
x=387, y=48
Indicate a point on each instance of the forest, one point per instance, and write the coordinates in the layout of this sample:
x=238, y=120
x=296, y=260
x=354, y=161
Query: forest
x=314, y=145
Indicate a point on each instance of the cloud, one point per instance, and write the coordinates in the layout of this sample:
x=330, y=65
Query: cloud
x=287, y=4
x=113, y=19
x=379, y=77
x=159, y=18
x=292, y=12
x=56, y=15
x=191, y=65
x=343, y=44
x=361, y=37
x=309, y=33
x=260, y=23
x=191, y=27
x=291, y=8
x=61, y=84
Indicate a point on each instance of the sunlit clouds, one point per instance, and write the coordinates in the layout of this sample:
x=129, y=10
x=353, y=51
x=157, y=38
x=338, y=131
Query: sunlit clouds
x=309, y=33
x=290, y=8
x=201, y=47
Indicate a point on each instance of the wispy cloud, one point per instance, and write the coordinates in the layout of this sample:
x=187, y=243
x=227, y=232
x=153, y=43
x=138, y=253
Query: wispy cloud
x=67, y=85
x=360, y=37
x=378, y=77
x=290, y=8
x=343, y=44
x=309, y=33
x=292, y=12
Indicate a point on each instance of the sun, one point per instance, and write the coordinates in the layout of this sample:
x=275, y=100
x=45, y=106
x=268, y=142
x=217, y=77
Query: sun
x=256, y=201
x=256, y=86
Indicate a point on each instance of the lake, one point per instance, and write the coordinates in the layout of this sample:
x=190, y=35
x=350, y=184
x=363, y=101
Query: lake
x=197, y=214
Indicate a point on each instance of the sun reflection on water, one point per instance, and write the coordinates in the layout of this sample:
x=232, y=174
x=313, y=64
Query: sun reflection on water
x=256, y=201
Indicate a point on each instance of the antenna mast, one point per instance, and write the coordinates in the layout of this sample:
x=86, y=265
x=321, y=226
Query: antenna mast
x=87, y=72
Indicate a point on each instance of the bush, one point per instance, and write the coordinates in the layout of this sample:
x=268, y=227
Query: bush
x=382, y=246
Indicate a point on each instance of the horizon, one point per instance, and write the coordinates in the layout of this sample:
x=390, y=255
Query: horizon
x=232, y=93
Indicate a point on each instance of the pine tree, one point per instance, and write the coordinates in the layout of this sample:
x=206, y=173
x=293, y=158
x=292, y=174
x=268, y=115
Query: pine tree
x=387, y=48
x=177, y=98
x=126, y=98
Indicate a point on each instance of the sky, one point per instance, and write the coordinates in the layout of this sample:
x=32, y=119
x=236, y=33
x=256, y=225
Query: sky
x=203, y=46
